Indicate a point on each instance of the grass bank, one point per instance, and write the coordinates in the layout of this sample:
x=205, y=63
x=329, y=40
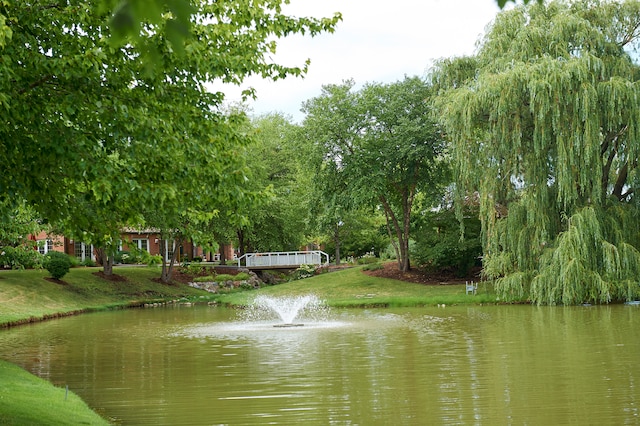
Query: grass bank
x=352, y=288
x=26, y=296
x=28, y=400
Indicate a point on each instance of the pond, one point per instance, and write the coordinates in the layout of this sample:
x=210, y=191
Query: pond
x=455, y=365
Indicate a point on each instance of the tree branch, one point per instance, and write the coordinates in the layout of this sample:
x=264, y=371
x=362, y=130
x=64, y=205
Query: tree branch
x=622, y=179
x=36, y=84
x=630, y=35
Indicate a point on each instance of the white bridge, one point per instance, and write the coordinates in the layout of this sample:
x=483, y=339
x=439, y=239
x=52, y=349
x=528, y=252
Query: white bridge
x=283, y=260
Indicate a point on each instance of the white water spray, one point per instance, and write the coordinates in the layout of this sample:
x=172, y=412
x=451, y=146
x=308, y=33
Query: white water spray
x=286, y=309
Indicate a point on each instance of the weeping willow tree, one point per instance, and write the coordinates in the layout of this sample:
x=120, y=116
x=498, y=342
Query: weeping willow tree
x=545, y=126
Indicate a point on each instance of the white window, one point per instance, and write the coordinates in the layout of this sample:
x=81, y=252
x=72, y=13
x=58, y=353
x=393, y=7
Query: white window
x=141, y=243
x=169, y=248
x=45, y=246
x=83, y=251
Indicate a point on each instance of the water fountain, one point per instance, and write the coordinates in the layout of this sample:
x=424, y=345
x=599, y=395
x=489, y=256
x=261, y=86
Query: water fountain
x=264, y=315
x=285, y=309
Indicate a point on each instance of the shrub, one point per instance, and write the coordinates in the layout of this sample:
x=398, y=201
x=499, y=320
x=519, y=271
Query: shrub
x=88, y=262
x=373, y=266
x=225, y=277
x=142, y=256
x=444, y=249
x=156, y=259
x=20, y=257
x=242, y=276
x=58, y=264
x=193, y=268
x=304, y=271
x=124, y=257
x=138, y=255
x=205, y=279
x=74, y=261
x=389, y=253
x=367, y=258
x=246, y=286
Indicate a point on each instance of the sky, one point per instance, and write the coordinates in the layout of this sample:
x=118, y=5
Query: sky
x=377, y=41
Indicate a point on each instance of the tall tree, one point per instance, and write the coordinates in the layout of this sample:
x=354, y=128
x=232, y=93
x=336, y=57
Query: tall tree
x=275, y=169
x=382, y=144
x=332, y=125
x=84, y=117
x=544, y=123
x=206, y=178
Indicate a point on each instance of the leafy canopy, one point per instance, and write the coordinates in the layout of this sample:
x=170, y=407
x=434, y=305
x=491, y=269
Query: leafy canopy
x=544, y=126
x=379, y=147
x=90, y=131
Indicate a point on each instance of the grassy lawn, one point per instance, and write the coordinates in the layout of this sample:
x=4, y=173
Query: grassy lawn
x=26, y=295
x=352, y=288
x=28, y=400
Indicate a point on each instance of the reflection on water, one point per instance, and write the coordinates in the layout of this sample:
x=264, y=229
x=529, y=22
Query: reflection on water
x=467, y=365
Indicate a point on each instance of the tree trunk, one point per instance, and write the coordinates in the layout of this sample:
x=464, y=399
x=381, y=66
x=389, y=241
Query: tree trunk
x=405, y=264
x=394, y=244
x=401, y=241
x=106, y=260
x=406, y=213
x=336, y=240
x=621, y=182
x=108, y=265
x=167, y=270
x=100, y=256
x=241, y=242
x=223, y=254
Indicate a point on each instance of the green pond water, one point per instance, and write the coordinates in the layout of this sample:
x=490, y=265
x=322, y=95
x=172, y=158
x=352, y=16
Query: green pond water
x=204, y=365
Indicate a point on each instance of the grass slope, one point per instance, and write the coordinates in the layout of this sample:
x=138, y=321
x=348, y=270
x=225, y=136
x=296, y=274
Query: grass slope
x=28, y=400
x=27, y=296
x=352, y=288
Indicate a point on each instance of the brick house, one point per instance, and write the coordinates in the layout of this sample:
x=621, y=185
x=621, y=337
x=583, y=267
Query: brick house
x=46, y=243
x=148, y=240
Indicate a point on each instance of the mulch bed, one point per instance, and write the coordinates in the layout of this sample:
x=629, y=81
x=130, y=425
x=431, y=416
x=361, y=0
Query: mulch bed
x=420, y=276
x=181, y=277
x=56, y=281
x=113, y=277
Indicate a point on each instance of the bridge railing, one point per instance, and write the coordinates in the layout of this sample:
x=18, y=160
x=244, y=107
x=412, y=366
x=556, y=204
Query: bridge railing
x=289, y=258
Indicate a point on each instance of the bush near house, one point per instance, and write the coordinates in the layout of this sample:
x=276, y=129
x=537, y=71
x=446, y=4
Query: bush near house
x=20, y=257
x=58, y=264
x=88, y=263
x=126, y=257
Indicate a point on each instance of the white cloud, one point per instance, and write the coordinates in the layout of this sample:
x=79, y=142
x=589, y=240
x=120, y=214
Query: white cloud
x=377, y=40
